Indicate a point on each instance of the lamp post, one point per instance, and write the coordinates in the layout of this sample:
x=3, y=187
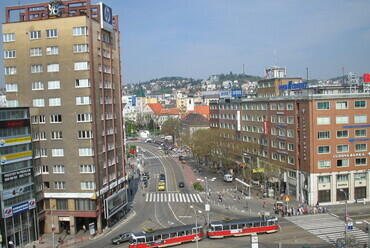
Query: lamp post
x=196, y=225
x=207, y=206
x=345, y=218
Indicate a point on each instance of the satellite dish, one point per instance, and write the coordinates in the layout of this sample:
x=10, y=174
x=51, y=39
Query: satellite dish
x=353, y=78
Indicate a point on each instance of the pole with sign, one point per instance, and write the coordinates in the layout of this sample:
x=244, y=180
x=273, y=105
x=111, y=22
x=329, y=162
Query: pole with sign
x=287, y=199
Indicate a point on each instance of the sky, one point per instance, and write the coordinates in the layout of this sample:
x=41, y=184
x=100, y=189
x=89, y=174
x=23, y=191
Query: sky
x=200, y=38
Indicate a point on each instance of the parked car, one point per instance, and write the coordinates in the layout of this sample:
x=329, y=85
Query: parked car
x=162, y=177
x=228, y=178
x=181, y=184
x=149, y=140
x=124, y=237
x=181, y=157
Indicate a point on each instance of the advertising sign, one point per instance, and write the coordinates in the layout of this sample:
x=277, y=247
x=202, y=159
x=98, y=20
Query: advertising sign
x=115, y=203
x=10, y=193
x=366, y=77
x=265, y=127
x=15, y=157
x=291, y=86
x=236, y=93
x=225, y=94
x=7, y=177
x=15, y=141
x=19, y=208
x=106, y=17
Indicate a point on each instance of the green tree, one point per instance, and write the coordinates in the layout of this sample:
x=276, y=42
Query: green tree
x=171, y=127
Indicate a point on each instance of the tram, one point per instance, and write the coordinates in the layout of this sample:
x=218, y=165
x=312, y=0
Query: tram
x=167, y=237
x=241, y=227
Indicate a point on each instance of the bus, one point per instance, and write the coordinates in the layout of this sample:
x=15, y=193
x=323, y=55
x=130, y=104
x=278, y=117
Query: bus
x=241, y=227
x=167, y=237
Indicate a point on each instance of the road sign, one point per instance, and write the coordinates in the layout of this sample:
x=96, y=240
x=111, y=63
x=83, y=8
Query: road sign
x=287, y=198
x=350, y=226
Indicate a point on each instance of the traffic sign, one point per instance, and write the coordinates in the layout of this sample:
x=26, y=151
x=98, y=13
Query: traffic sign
x=287, y=198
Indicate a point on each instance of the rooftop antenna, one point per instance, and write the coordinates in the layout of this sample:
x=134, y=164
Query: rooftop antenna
x=243, y=70
x=275, y=58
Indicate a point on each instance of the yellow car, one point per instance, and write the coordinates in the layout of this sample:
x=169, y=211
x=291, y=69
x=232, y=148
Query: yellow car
x=161, y=186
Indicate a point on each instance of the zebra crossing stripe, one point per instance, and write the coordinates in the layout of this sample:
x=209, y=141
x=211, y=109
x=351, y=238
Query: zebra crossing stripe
x=147, y=197
x=191, y=197
x=200, y=199
x=172, y=197
x=180, y=197
x=165, y=197
x=187, y=198
x=177, y=199
x=161, y=197
x=157, y=197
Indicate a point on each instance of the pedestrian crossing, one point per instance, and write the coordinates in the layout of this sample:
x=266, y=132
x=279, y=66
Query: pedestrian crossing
x=327, y=227
x=161, y=156
x=172, y=197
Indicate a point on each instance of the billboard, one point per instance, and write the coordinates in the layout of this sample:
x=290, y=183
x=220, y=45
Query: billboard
x=19, y=208
x=115, y=203
x=106, y=17
x=236, y=93
x=291, y=86
x=225, y=94
x=14, y=175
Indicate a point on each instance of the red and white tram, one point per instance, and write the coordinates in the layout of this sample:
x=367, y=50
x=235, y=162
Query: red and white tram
x=167, y=237
x=241, y=227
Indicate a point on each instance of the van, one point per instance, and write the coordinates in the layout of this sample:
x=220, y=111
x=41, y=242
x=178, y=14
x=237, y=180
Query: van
x=228, y=178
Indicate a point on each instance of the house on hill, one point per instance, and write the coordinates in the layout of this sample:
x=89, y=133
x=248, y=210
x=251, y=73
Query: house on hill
x=192, y=123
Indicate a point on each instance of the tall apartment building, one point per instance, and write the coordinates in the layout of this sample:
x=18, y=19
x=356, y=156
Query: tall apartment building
x=18, y=220
x=62, y=58
x=311, y=143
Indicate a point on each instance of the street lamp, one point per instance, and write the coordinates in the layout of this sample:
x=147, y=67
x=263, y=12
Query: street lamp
x=345, y=218
x=207, y=206
x=196, y=224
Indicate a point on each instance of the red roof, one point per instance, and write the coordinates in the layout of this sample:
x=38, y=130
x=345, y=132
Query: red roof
x=156, y=107
x=174, y=111
x=202, y=110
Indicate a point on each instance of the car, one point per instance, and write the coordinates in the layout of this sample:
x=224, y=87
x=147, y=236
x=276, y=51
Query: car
x=149, y=140
x=181, y=157
x=165, y=151
x=124, y=237
x=159, y=148
x=181, y=184
x=144, y=183
x=162, y=177
x=161, y=186
x=162, y=136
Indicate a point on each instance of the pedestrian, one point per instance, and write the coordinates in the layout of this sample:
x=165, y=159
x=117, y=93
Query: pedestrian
x=317, y=204
x=356, y=200
x=84, y=228
x=264, y=204
x=219, y=198
x=34, y=245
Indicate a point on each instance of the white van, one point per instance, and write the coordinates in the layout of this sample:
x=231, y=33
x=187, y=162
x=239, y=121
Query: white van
x=228, y=178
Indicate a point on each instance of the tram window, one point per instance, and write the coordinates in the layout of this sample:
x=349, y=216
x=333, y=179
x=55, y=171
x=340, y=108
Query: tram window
x=249, y=225
x=226, y=227
x=133, y=241
x=189, y=232
x=150, y=239
x=182, y=233
x=217, y=228
x=173, y=235
x=257, y=224
x=234, y=226
x=264, y=223
x=141, y=240
x=157, y=237
x=241, y=226
x=165, y=236
x=201, y=229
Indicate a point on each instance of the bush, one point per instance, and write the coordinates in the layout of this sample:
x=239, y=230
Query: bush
x=198, y=186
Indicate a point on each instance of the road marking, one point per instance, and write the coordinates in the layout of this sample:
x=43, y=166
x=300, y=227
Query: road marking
x=172, y=197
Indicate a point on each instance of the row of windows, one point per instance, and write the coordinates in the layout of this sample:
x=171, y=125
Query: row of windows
x=341, y=134
x=340, y=163
x=60, y=169
x=283, y=158
x=83, y=117
x=345, y=119
x=342, y=178
x=78, y=66
x=59, y=152
x=58, y=135
x=52, y=85
x=62, y=186
x=341, y=105
x=342, y=148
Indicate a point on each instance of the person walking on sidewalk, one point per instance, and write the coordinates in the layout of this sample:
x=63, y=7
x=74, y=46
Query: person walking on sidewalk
x=264, y=204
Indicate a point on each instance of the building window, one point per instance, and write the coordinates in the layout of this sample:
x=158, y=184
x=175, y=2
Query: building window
x=361, y=161
x=360, y=104
x=85, y=134
x=323, y=149
x=59, y=185
x=360, y=133
x=342, y=163
x=87, y=185
x=55, y=118
x=273, y=106
x=290, y=146
x=51, y=33
x=62, y=204
x=53, y=85
x=273, y=131
x=342, y=148
x=324, y=179
x=323, y=105
x=36, y=68
x=8, y=37
x=282, y=145
x=342, y=134
x=323, y=120
x=290, y=133
x=58, y=169
x=56, y=135
x=360, y=176
x=35, y=51
x=83, y=100
x=57, y=152
x=274, y=156
x=85, y=205
x=53, y=68
x=35, y=35
x=292, y=174
x=282, y=132
x=44, y=169
x=273, y=118
x=281, y=106
x=87, y=117
x=87, y=168
x=12, y=103
x=78, y=31
x=274, y=143
x=360, y=118
x=55, y=102
x=53, y=50
x=37, y=86
x=289, y=106
x=291, y=160
x=341, y=119
x=11, y=87
x=290, y=120
x=82, y=83
x=10, y=70
x=106, y=38
x=81, y=66
x=80, y=48
x=323, y=135
x=9, y=54
x=86, y=152
x=38, y=102
x=281, y=119
x=341, y=105
x=360, y=147
x=324, y=164
x=44, y=152
x=342, y=178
